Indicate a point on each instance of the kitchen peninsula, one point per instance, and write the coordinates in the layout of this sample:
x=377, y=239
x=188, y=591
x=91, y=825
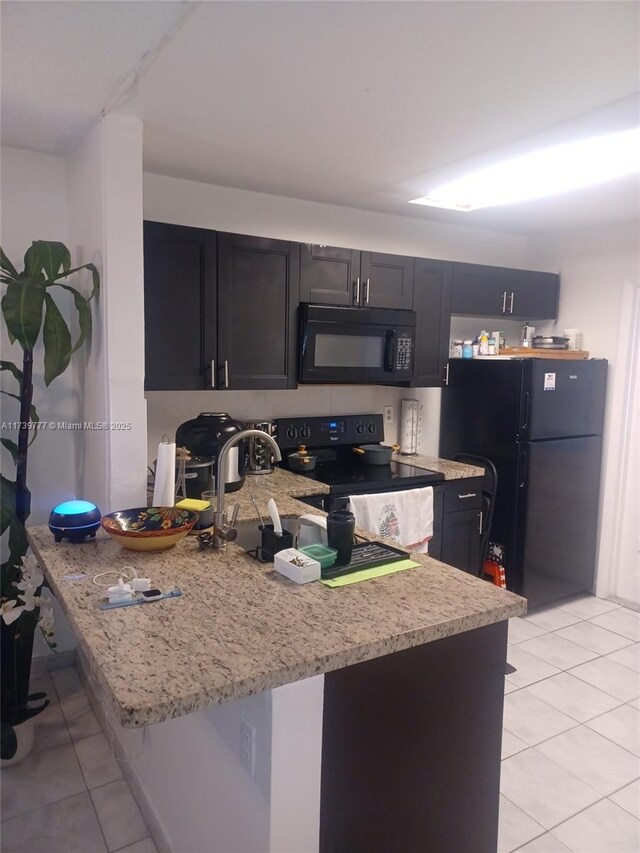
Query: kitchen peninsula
x=257, y=715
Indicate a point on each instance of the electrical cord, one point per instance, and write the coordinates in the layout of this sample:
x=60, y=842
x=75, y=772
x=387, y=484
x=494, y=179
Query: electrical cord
x=119, y=572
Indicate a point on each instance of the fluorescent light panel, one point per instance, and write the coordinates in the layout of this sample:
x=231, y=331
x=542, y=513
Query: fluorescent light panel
x=549, y=171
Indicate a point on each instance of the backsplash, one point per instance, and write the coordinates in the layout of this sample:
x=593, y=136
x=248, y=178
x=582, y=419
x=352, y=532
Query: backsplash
x=166, y=410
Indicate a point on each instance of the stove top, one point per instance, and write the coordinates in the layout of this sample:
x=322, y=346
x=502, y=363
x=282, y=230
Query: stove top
x=344, y=478
x=332, y=439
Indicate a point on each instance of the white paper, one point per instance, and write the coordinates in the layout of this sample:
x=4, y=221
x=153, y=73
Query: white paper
x=549, y=382
x=164, y=490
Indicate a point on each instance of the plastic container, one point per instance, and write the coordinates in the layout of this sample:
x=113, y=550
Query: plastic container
x=456, y=349
x=499, y=339
x=297, y=566
x=492, y=346
x=467, y=349
x=484, y=343
x=325, y=556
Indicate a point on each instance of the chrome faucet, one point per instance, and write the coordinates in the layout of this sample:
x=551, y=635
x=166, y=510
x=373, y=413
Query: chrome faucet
x=223, y=531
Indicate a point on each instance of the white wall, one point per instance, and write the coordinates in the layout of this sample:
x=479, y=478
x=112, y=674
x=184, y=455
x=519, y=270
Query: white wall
x=594, y=265
x=105, y=191
x=34, y=207
x=221, y=208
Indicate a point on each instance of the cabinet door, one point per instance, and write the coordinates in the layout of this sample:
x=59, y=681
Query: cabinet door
x=328, y=274
x=478, y=290
x=386, y=280
x=258, y=293
x=432, y=304
x=461, y=540
x=179, y=285
x=535, y=294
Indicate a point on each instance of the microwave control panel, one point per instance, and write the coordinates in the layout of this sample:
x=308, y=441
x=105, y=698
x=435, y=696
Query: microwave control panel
x=329, y=431
x=404, y=355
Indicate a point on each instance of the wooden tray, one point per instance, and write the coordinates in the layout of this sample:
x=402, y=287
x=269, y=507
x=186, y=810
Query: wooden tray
x=530, y=352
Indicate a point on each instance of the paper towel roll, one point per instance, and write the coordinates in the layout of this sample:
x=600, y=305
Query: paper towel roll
x=164, y=490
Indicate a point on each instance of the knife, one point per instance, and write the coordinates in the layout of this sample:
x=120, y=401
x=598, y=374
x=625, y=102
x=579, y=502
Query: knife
x=272, y=509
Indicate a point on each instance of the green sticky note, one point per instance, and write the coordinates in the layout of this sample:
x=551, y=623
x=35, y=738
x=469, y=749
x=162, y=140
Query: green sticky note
x=367, y=574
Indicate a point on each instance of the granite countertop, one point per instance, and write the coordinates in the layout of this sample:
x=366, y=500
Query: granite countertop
x=451, y=470
x=240, y=628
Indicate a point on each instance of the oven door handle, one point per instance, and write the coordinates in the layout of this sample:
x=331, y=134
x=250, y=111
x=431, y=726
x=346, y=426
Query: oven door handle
x=389, y=350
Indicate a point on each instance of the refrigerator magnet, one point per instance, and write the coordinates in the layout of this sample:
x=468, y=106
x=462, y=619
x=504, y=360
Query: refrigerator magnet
x=549, y=382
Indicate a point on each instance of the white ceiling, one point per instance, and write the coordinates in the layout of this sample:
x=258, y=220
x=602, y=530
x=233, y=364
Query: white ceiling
x=351, y=103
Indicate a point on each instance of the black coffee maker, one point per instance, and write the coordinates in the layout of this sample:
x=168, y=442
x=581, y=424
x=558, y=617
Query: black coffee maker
x=206, y=435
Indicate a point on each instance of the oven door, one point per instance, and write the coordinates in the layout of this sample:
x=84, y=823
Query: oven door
x=350, y=348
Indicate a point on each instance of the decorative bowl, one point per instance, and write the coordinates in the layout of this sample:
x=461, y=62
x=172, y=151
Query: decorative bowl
x=149, y=528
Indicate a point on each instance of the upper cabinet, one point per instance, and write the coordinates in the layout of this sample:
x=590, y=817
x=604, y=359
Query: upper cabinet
x=335, y=276
x=485, y=291
x=258, y=294
x=220, y=310
x=432, y=304
x=179, y=289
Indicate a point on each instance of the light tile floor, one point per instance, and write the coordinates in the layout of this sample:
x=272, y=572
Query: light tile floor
x=571, y=739
x=69, y=796
x=571, y=749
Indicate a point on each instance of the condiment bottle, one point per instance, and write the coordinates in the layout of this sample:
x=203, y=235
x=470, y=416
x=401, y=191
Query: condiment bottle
x=484, y=343
x=491, y=346
x=467, y=350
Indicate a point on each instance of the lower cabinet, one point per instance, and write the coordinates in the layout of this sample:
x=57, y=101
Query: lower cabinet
x=457, y=524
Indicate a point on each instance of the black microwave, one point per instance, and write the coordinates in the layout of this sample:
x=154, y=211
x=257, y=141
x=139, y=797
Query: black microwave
x=356, y=345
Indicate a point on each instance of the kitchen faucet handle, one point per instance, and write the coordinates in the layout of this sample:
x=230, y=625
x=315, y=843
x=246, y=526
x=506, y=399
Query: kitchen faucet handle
x=234, y=515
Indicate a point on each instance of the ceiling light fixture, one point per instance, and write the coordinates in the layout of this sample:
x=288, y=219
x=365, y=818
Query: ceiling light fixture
x=546, y=172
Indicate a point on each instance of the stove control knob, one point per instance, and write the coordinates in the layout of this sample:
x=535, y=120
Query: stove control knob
x=292, y=433
x=305, y=432
x=360, y=429
x=371, y=428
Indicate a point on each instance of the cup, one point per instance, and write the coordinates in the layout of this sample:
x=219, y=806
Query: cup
x=341, y=525
x=206, y=516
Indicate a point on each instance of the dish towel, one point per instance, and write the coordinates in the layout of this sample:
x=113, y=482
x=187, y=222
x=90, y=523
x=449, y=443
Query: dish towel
x=405, y=517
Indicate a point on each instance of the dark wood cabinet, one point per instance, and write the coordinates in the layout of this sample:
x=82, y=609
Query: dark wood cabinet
x=334, y=276
x=220, y=310
x=258, y=294
x=457, y=524
x=485, y=291
x=179, y=288
x=386, y=280
x=432, y=304
x=328, y=274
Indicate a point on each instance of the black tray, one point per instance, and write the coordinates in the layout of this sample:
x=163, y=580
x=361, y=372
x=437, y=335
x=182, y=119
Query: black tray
x=368, y=555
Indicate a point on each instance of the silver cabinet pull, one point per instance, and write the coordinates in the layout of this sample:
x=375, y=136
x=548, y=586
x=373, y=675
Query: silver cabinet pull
x=480, y=519
x=213, y=374
x=511, y=303
x=504, y=302
x=366, y=292
x=226, y=373
x=446, y=374
x=468, y=495
x=357, y=296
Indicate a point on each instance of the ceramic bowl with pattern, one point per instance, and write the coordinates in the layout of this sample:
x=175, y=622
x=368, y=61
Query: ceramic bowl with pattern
x=149, y=528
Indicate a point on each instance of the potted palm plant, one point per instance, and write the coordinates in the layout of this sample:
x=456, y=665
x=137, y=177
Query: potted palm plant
x=30, y=313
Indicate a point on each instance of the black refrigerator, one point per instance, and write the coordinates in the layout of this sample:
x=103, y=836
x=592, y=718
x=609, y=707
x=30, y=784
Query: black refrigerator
x=540, y=422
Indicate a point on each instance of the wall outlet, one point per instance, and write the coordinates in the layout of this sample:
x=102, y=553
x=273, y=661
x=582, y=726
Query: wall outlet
x=248, y=746
x=388, y=415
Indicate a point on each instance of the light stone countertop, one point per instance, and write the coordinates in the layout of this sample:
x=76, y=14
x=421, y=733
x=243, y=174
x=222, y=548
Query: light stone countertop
x=240, y=628
x=451, y=470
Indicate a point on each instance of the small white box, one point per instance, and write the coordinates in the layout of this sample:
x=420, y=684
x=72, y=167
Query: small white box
x=296, y=566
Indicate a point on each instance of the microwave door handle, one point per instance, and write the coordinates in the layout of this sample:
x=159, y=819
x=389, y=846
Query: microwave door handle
x=389, y=350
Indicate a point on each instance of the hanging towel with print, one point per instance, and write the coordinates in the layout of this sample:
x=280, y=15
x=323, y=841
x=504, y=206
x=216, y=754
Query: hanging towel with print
x=405, y=517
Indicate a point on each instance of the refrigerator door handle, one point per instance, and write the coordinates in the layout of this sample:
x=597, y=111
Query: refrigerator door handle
x=525, y=410
x=522, y=472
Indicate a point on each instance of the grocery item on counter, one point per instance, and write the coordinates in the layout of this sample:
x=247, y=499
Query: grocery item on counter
x=467, y=349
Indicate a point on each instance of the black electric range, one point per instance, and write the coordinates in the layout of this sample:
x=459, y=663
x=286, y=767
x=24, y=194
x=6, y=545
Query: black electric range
x=332, y=440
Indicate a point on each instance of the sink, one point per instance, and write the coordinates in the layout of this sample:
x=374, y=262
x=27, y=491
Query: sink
x=249, y=537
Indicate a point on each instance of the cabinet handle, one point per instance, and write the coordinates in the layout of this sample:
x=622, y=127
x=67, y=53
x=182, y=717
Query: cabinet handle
x=226, y=373
x=357, y=296
x=468, y=495
x=213, y=374
x=480, y=520
x=511, y=303
x=446, y=374
x=504, y=302
x=366, y=292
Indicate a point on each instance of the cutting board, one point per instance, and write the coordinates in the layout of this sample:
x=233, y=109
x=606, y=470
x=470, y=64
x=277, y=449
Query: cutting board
x=530, y=352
